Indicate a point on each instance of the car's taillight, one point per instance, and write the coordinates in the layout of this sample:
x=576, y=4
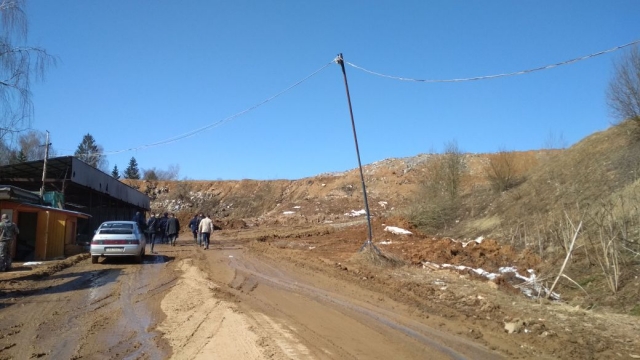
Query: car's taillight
x=115, y=242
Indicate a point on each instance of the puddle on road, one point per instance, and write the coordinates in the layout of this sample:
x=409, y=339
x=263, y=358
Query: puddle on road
x=130, y=288
x=138, y=316
x=99, y=279
x=155, y=259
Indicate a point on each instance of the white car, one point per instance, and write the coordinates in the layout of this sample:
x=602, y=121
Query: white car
x=118, y=239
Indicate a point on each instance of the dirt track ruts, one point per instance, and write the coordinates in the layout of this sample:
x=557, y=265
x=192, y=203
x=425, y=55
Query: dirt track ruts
x=223, y=303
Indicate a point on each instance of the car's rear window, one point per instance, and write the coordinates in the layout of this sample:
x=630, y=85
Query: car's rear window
x=116, y=228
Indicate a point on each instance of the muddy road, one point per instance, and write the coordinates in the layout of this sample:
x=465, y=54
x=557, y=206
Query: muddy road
x=103, y=311
x=222, y=303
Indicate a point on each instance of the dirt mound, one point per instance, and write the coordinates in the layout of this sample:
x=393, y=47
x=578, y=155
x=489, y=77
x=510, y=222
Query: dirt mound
x=487, y=254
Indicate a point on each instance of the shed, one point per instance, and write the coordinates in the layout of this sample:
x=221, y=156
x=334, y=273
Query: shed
x=84, y=189
x=45, y=232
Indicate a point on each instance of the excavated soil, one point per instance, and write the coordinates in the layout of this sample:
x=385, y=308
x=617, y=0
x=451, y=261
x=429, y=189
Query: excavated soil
x=301, y=292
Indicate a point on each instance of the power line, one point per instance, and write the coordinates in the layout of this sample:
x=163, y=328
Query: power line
x=486, y=77
x=218, y=123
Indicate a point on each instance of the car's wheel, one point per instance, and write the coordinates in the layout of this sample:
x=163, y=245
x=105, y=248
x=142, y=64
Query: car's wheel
x=138, y=259
x=94, y=259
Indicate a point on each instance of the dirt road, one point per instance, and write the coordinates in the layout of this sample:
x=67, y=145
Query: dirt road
x=289, y=293
x=223, y=303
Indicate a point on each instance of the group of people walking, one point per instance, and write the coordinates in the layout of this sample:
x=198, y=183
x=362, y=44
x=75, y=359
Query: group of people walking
x=165, y=229
x=162, y=229
x=202, y=227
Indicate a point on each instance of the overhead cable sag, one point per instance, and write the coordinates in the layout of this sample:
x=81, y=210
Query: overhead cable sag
x=496, y=75
x=220, y=122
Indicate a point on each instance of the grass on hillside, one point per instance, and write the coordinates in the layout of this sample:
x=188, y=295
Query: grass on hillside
x=596, y=182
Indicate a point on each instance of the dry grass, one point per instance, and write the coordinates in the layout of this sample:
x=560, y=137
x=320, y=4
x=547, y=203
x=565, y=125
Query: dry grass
x=542, y=196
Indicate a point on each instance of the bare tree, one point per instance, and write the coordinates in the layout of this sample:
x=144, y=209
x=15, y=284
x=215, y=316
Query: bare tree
x=554, y=141
x=501, y=170
x=5, y=153
x=623, y=94
x=19, y=64
x=453, y=167
x=32, y=144
x=437, y=202
x=158, y=174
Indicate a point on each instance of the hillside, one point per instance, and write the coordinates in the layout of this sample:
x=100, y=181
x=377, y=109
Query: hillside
x=593, y=183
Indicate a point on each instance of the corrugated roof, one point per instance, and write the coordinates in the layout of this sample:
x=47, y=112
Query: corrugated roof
x=49, y=208
x=67, y=170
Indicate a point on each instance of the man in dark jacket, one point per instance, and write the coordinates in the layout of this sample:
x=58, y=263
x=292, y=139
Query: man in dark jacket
x=139, y=219
x=162, y=225
x=173, y=228
x=193, y=225
x=152, y=228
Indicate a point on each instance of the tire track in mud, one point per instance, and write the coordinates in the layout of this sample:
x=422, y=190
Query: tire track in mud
x=367, y=315
x=85, y=311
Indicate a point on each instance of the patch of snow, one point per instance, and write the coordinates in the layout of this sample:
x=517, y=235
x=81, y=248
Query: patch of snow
x=529, y=287
x=32, y=263
x=397, y=230
x=386, y=242
x=355, y=213
x=288, y=212
x=297, y=207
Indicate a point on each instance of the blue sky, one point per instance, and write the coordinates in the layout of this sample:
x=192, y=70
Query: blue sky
x=134, y=73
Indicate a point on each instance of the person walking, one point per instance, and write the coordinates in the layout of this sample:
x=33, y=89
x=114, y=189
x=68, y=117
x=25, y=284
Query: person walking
x=152, y=228
x=140, y=220
x=206, y=228
x=162, y=224
x=8, y=230
x=200, y=217
x=173, y=229
x=193, y=225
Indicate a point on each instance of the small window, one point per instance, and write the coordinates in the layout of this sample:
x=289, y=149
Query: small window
x=116, y=228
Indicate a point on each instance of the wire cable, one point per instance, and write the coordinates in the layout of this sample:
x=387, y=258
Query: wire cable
x=218, y=123
x=496, y=75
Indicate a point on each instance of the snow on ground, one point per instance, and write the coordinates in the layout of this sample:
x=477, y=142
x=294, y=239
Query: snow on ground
x=355, y=213
x=529, y=286
x=397, y=230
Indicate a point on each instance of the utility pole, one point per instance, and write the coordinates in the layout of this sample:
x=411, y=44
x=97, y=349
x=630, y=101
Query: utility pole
x=44, y=164
x=369, y=241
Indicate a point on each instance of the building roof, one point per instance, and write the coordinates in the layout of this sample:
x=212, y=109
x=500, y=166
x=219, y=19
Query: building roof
x=63, y=211
x=8, y=192
x=70, y=175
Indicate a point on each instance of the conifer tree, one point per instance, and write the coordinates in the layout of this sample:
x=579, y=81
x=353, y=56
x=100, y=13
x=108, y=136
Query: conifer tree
x=21, y=157
x=90, y=152
x=132, y=171
x=115, y=172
